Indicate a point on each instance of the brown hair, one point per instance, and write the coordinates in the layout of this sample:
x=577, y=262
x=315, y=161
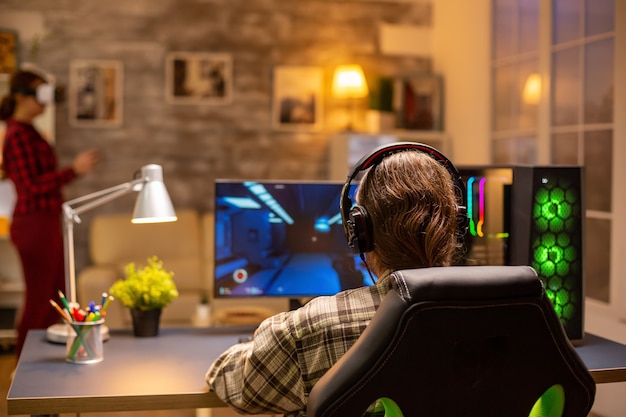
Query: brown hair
x=20, y=81
x=410, y=200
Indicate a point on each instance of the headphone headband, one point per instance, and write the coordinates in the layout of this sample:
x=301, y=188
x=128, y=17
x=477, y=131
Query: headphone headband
x=378, y=154
x=358, y=235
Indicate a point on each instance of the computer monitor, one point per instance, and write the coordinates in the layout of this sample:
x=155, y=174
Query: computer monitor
x=282, y=239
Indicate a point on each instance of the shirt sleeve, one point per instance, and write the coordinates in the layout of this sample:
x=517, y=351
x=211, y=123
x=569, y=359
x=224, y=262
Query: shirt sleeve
x=23, y=159
x=262, y=375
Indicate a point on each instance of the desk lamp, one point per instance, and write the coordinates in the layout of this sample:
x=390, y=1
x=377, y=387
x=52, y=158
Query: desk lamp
x=153, y=205
x=349, y=83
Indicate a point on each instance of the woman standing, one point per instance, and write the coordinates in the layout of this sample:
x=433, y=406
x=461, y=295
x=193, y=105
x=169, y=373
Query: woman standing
x=30, y=162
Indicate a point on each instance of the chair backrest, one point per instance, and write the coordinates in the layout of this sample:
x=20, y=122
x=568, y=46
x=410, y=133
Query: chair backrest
x=460, y=341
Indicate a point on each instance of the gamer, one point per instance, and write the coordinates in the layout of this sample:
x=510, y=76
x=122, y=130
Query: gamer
x=409, y=213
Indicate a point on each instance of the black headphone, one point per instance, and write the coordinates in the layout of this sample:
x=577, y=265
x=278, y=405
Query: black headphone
x=356, y=223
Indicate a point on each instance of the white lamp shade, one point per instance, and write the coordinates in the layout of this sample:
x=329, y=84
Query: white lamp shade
x=153, y=204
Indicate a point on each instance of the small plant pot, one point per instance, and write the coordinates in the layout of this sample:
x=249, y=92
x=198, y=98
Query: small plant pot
x=146, y=322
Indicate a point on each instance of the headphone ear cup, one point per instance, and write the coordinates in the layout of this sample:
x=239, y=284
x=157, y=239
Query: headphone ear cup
x=359, y=230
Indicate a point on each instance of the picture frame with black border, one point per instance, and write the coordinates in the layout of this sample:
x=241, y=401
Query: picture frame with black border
x=198, y=78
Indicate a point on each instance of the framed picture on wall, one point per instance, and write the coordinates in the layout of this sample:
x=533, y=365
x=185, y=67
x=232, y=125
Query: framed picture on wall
x=298, y=98
x=95, y=93
x=198, y=78
x=8, y=51
x=418, y=102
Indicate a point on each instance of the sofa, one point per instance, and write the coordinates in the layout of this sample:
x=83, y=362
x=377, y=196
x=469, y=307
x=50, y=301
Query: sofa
x=186, y=248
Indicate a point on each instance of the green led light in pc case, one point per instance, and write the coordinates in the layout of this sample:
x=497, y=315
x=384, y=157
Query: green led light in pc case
x=554, y=197
x=527, y=215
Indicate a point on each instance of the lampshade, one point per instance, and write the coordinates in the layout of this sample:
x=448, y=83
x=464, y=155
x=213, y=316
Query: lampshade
x=349, y=82
x=153, y=204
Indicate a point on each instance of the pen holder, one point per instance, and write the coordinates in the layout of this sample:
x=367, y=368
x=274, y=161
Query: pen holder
x=84, y=342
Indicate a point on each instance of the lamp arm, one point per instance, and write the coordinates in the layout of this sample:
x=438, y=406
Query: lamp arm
x=70, y=216
x=97, y=199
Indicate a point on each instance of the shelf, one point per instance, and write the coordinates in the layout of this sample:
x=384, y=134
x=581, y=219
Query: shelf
x=346, y=149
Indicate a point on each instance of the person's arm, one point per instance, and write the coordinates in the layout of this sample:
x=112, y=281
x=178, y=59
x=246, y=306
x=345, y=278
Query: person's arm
x=261, y=376
x=22, y=158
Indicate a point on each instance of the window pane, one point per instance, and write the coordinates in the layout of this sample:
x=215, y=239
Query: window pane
x=503, y=36
x=501, y=151
x=599, y=16
x=520, y=150
x=529, y=92
x=503, y=97
x=565, y=149
x=599, y=82
x=528, y=26
x=565, y=81
x=597, y=259
x=598, y=168
x=565, y=20
x=525, y=150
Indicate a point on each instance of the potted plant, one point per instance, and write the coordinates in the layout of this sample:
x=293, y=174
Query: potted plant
x=145, y=291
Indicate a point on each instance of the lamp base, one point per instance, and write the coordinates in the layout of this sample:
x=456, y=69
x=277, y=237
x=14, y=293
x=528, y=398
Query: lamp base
x=57, y=333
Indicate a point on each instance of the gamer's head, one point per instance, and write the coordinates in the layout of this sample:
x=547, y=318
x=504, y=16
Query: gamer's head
x=411, y=205
x=29, y=92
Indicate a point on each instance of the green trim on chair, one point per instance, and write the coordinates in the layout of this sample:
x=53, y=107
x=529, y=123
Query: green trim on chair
x=550, y=404
x=391, y=408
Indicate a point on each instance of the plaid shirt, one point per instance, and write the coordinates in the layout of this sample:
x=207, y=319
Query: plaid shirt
x=29, y=161
x=275, y=372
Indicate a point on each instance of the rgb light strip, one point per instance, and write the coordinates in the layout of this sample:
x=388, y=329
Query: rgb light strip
x=476, y=227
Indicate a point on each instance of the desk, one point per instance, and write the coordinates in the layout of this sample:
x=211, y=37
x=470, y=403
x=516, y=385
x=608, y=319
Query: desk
x=167, y=372
x=605, y=359
x=153, y=373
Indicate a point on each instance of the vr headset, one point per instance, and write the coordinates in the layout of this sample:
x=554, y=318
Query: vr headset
x=44, y=93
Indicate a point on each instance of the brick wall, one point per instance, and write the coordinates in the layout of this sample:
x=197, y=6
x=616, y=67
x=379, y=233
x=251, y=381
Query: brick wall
x=198, y=143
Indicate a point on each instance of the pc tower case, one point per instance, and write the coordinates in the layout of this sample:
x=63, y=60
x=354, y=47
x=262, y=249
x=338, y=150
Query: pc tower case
x=531, y=215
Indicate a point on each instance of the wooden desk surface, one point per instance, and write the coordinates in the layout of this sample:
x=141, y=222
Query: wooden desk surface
x=604, y=358
x=169, y=372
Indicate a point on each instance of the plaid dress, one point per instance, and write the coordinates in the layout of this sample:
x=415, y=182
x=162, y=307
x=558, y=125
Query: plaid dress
x=275, y=372
x=29, y=161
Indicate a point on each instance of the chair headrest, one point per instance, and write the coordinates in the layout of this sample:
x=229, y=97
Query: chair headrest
x=467, y=283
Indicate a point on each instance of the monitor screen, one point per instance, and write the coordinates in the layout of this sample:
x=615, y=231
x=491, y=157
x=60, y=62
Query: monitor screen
x=282, y=238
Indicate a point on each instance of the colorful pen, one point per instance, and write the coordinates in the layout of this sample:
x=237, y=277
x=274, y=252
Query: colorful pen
x=106, y=303
x=63, y=314
x=66, y=305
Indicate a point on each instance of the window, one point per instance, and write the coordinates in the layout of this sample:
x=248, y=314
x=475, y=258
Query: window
x=516, y=81
x=580, y=62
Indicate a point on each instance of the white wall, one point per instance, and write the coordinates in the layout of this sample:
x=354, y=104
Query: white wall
x=461, y=53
